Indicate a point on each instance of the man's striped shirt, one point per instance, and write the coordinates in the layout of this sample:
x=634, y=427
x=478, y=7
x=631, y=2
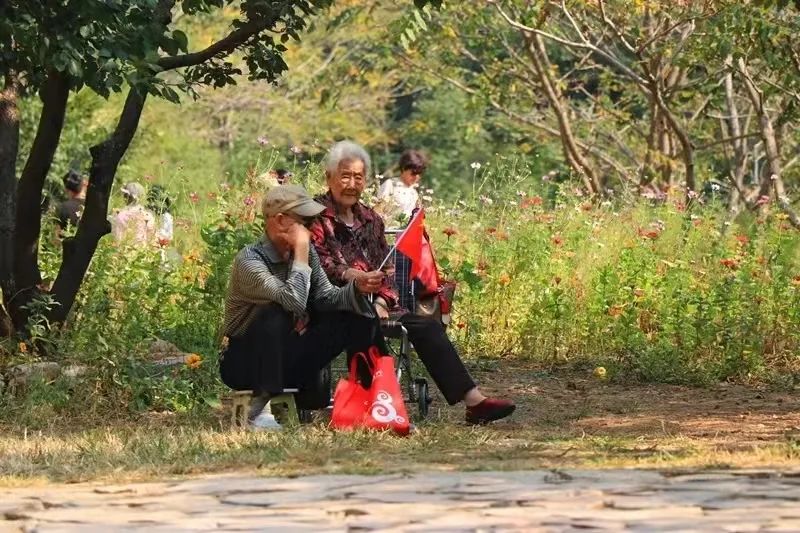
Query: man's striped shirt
x=260, y=276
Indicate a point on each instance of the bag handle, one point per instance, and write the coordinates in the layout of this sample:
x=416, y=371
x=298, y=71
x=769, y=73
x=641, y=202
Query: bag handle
x=370, y=359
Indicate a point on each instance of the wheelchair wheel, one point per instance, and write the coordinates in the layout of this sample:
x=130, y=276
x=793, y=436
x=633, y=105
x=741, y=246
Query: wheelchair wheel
x=423, y=397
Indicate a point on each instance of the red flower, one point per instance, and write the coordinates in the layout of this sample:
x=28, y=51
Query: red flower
x=651, y=234
x=193, y=196
x=491, y=231
x=742, y=239
x=461, y=325
x=729, y=262
x=531, y=202
x=449, y=232
x=163, y=241
x=557, y=240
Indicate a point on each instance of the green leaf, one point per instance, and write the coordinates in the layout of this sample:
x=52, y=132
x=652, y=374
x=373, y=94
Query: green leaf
x=181, y=39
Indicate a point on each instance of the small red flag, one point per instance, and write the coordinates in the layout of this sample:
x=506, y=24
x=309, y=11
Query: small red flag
x=413, y=243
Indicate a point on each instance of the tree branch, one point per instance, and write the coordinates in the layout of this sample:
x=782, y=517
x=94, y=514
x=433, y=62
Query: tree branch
x=220, y=48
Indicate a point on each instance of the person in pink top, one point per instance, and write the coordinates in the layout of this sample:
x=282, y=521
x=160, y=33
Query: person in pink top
x=134, y=223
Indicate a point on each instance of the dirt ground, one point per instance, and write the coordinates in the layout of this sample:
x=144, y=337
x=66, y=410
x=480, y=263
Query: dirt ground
x=581, y=405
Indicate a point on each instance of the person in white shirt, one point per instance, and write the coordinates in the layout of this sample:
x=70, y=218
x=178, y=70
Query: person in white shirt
x=134, y=223
x=398, y=197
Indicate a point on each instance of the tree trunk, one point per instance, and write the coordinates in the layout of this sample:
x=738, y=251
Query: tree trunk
x=94, y=221
x=27, y=228
x=572, y=153
x=739, y=164
x=771, y=180
x=9, y=148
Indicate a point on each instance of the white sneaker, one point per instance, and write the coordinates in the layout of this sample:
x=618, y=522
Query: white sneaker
x=265, y=421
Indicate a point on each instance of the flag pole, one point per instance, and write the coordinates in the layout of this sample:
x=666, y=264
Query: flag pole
x=398, y=239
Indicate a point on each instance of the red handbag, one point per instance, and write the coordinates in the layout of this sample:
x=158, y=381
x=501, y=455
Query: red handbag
x=380, y=406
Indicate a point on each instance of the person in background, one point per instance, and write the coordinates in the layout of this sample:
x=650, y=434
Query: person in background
x=133, y=223
x=284, y=320
x=159, y=202
x=283, y=176
x=398, y=197
x=349, y=238
x=68, y=212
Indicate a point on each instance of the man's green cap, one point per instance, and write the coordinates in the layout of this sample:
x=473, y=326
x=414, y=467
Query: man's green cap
x=290, y=198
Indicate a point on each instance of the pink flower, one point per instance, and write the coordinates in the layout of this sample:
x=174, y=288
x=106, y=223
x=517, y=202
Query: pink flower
x=194, y=197
x=249, y=200
x=263, y=141
x=295, y=149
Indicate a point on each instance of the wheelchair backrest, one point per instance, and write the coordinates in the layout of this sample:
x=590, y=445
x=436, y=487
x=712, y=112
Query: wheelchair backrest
x=402, y=266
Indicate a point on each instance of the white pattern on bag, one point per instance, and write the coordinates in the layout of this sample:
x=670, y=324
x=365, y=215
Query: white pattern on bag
x=383, y=411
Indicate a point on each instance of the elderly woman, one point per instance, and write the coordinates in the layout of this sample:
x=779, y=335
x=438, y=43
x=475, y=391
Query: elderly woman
x=349, y=238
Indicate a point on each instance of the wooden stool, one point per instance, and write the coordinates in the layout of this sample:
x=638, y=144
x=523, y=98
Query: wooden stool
x=240, y=407
x=286, y=401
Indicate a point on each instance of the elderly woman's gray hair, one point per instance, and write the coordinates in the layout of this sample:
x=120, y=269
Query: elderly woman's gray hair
x=346, y=151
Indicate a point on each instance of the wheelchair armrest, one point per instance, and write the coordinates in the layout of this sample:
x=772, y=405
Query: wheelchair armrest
x=393, y=329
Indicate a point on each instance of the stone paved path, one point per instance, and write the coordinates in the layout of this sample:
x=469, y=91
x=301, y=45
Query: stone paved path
x=614, y=500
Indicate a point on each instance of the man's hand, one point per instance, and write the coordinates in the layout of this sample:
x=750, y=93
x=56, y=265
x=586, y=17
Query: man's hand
x=299, y=238
x=298, y=235
x=367, y=282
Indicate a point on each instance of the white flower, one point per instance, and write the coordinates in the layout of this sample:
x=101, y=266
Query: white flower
x=428, y=191
x=692, y=194
x=715, y=187
x=522, y=194
x=475, y=165
x=485, y=200
x=295, y=149
x=427, y=198
x=379, y=176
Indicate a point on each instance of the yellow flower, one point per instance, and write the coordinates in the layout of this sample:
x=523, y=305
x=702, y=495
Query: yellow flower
x=193, y=360
x=23, y=348
x=600, y=372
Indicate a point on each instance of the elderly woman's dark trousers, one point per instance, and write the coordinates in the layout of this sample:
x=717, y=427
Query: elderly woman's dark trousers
x=271, y=355
x=439, y=356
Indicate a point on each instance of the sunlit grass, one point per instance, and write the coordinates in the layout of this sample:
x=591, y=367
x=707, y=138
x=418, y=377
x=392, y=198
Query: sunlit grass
x=138, y=452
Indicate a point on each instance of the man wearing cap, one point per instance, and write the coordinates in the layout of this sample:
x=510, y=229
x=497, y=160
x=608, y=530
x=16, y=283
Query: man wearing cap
x=284, y=320
x=134, y=223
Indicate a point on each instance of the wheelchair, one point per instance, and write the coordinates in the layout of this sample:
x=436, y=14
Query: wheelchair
x=415, y=388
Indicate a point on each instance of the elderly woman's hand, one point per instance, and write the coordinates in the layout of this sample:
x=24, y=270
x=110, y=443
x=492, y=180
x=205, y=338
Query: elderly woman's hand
x=366, y=282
